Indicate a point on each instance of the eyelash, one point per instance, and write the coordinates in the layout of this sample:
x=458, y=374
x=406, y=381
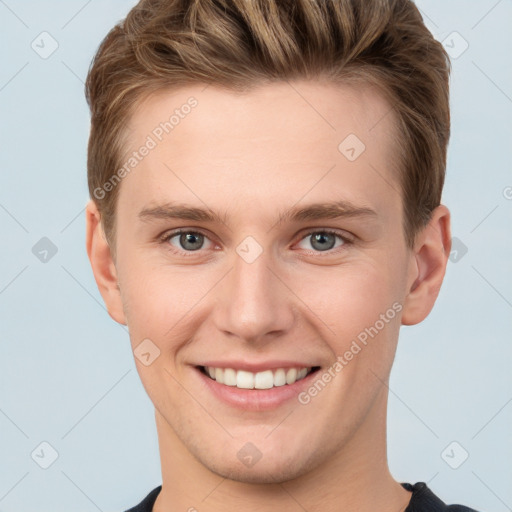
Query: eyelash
x=166, y=237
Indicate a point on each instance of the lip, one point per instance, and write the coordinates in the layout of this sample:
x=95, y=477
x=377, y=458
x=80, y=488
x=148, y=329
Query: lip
x=255, y=399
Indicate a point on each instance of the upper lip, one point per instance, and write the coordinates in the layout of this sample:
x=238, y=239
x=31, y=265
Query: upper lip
x=257, y=367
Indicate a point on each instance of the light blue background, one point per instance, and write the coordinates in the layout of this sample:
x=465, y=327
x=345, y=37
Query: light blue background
x=67, y=374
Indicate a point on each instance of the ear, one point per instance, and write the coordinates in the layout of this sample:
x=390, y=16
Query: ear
x=103, y=266
x=427, y=267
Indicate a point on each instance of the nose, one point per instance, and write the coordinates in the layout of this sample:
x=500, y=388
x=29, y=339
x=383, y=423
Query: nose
x=254, y=303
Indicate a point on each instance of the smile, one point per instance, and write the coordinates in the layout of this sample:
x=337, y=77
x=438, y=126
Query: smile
x=266, y=379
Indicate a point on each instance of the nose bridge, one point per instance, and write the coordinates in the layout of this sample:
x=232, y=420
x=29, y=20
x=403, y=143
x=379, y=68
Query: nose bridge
x=254, y=302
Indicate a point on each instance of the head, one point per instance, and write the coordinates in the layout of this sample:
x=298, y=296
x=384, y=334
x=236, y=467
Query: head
x=301, y=148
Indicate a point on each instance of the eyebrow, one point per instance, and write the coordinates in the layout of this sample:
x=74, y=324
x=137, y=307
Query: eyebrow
x=180, y=211
x=317, y=211
x=327, y=210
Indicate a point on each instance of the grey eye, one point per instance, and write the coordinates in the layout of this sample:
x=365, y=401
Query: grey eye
x=322, y=241
x=190, y=241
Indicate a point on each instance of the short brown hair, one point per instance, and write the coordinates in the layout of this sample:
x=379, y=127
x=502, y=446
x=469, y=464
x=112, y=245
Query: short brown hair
x=240, y=44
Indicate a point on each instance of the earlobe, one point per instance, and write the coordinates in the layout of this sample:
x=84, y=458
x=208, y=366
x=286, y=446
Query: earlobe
x=102, y=264
x=428, y=267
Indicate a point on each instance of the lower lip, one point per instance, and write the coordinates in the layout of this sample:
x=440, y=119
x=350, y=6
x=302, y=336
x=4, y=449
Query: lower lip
x=255, y=399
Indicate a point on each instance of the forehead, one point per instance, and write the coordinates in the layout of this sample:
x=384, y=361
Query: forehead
x=277, y=142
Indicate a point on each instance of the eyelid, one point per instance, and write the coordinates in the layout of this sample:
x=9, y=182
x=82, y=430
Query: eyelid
x=346, y=237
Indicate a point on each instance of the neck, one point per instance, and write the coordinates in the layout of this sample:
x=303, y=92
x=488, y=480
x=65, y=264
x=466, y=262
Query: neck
x=355, y=478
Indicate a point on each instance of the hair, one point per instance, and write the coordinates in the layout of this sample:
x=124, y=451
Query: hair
x=242, y=44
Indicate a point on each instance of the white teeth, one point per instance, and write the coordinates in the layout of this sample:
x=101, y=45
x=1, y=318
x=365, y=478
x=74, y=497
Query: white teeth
x=261, y=380
x=291, y=376
x=280, y=377
x=264, y=380
x=302, y=373
x=229, y=377
x=244, y=380
x=219, y=375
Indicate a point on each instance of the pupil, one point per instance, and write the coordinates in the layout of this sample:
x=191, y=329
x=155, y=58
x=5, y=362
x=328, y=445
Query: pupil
x=325, y=240
x=188, y=240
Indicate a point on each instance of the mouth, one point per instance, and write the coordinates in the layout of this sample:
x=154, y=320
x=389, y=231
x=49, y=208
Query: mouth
x=262, y=380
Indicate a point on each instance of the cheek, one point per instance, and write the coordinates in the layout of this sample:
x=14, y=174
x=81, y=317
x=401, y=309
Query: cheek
x=165, y=304
x=361, y=306
x=155, y=293
x=348, y=299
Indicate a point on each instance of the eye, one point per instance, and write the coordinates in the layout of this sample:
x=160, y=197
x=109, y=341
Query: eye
x=186, y=241
x=323, y=240
x=190, y=241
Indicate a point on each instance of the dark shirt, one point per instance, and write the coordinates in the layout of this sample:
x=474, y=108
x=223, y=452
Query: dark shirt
x=422, y=500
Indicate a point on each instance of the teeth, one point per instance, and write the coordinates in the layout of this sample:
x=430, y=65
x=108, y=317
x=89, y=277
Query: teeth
x=219, y=375
x=264, y=380
x=261, y=380
x=291, y=376
x=279, y=377
x=244, y=380
x=229, y=377
x=302, y=373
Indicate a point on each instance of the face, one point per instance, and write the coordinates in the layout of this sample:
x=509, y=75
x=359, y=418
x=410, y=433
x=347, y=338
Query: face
x=260, y=241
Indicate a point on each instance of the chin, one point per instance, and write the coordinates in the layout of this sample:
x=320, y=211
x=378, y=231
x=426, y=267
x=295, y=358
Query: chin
x=263, y=472
x=257, y=476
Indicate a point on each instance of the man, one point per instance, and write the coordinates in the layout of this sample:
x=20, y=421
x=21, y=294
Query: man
x=265, y=179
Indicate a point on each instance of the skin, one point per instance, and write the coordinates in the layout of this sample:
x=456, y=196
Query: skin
x=248, y=158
